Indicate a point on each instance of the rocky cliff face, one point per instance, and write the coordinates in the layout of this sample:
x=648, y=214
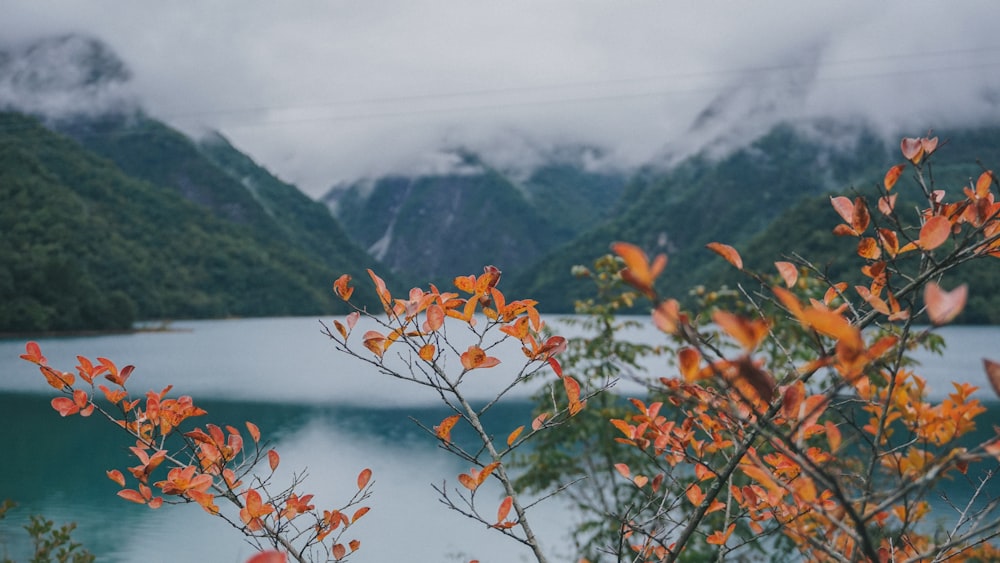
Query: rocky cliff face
x=440, y=226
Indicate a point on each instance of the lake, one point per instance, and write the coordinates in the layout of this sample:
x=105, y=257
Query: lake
x=324, y=411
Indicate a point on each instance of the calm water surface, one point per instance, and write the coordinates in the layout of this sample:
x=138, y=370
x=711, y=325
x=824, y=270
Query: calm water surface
x=325, y=412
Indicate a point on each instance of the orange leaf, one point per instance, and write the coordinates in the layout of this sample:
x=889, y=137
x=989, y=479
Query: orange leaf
x=339, y=551
x=254, y=431
x=861, y=216
x=993, y=374
x=935, y=232
x=638, y=272
x=892, y=176
x=513, y=435
x=689, y=361
x=468, y=482
x=749, y=333
x=427, y=352
x=33, y=353
x=375, y=342
x=359, y=513
x=667, y=316
x=273, y=459
x=504, y=508
x=695, y=495
x=435, y=317
x=833, y=436
x=868, y=248
x=983, y=184
x=443, y=430
x=383, y=294
x=364, y=477
x=720, y=538
x=943, y=306
x=640, y=481
x=475, y=357
x=573, y=395
x=788, y=271
x=341, y=287
x=727, y=252
x=117, y=477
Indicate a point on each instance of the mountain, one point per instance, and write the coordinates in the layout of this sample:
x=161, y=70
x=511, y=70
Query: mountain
x=769, y=199
x=86, y=245
x=437, y=226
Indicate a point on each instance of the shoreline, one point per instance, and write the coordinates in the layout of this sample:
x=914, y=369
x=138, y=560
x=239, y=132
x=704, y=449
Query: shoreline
x=158, y=326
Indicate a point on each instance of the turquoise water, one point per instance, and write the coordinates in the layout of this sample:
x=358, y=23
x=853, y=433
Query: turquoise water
x=323, y=411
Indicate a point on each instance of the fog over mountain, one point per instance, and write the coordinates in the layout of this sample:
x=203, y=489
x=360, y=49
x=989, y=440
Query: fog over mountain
x=328, y=91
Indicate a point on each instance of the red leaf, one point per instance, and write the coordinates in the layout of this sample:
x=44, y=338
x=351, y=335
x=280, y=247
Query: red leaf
x=339, y=551
x=727, y=252
x=623, y=470
x=912, y=149
x=132, y=495
x=117, y=477
x=33, y=353
x=268, y=557
x=435, y=317
x=844, y=207
x=539, y=421
x=65, y=406
x=943, y=306
x=273, y=459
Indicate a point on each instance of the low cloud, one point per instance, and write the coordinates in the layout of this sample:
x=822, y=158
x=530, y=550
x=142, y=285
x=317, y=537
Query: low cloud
x=326, y=91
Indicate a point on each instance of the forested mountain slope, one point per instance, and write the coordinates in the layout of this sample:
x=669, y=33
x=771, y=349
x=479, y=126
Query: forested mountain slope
x=152, y=229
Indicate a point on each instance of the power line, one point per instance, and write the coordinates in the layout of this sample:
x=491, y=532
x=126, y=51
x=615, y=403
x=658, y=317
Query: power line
x=580, y=84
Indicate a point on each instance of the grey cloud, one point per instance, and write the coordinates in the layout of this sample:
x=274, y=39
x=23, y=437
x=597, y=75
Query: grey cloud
x=326, y=91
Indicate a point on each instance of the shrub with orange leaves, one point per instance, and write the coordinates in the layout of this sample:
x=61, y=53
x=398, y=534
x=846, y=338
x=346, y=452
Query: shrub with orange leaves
x=792, y=422
x=203, y=465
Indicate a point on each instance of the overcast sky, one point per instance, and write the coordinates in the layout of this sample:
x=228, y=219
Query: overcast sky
x=324, y=90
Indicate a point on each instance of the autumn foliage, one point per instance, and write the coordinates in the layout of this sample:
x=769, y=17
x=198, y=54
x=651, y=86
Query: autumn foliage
x=792, y=423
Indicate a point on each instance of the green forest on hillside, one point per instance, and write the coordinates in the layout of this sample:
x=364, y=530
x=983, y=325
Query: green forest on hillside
x=87, y=246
